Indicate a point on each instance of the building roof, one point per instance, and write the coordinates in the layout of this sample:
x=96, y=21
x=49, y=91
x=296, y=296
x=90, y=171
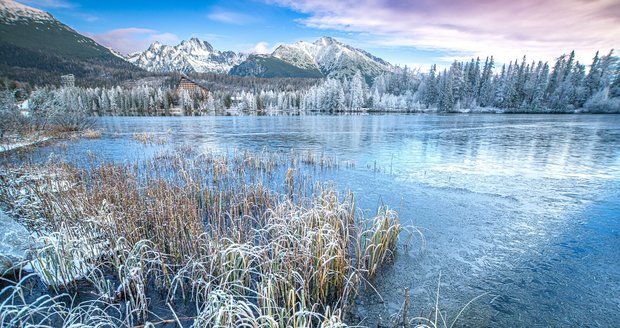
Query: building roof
x=183, y=76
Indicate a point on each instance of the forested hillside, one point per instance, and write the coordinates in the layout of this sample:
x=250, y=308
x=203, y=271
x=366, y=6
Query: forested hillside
x=37, y=48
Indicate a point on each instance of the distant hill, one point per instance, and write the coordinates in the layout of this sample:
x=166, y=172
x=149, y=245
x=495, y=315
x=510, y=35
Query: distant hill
x=37, y=48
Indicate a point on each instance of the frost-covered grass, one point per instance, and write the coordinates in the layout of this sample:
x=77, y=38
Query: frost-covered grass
x=243, y=237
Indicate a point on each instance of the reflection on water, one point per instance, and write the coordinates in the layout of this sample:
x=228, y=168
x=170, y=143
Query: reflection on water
x=524, y=208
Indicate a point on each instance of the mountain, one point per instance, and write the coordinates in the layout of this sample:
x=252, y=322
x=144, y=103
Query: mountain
x=37, y=48
x=189, y=56
x=269, y=66
x=329, y=57
x=325, y=57
x=332, y=58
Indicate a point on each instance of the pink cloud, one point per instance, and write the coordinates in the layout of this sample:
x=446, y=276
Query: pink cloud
x=132, y=39
x=508, y=29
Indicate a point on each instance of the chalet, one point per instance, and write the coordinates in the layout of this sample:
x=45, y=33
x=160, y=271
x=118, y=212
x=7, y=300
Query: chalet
x=192, y=87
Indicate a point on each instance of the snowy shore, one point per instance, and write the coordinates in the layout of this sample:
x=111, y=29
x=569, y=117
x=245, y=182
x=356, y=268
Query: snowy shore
x=20, y=143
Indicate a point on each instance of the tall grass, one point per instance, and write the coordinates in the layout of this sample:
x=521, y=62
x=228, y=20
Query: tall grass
x=244, y=236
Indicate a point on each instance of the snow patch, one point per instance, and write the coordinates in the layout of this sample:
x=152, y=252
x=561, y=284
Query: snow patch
x=13, y=11
x=193, y=55
x=4, y=147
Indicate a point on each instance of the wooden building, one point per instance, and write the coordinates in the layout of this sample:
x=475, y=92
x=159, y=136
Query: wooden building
x=192, y=87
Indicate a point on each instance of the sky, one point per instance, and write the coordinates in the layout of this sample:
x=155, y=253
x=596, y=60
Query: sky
x=416, y=33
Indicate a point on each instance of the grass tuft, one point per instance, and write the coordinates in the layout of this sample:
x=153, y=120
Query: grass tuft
x=245, y=237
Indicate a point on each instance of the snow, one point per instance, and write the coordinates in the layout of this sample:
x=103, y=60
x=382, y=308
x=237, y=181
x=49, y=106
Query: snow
x=193, y=55
x=332, y=58
x=24, y=105
x=329, y=56
x=12, y=11
x=4, y=147
x=116, y=53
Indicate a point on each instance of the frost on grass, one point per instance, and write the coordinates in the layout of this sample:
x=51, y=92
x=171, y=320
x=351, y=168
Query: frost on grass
x=244, y=237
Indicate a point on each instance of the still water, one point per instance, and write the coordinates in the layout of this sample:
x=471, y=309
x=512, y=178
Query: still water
x=523, y=210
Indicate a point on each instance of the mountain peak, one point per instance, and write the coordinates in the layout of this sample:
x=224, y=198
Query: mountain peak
x=192, y=41
x=154, y=46
x=325, y=41
x=332, y=58
x=195, y=44
x=193, y=55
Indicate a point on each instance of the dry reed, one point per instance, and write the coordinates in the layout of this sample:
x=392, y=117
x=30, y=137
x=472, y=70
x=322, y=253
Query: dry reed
x=244, y=236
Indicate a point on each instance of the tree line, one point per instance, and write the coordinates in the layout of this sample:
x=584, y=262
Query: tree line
x=470, y=86
x=525, y=87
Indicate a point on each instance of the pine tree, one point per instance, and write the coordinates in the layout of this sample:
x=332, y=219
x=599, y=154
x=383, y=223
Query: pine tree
x=614, y=88
x=446, y=97
x=486, y=93
x=540, y=88
x=593, y=77
x=356, y=91
x=500, y=96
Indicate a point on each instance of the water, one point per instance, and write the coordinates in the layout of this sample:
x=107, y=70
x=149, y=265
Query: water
x=522, y=209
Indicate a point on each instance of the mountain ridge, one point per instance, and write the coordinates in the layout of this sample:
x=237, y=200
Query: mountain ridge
x=325, y=57
x=332, y=58
x=189, y=56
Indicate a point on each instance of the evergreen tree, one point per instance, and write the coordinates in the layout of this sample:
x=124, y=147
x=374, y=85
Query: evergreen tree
x=356, y=92
x=486, y=93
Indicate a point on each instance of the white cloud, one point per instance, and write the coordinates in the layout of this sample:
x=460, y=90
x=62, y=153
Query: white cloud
x=230, y=17
x=132, y=39
x=260, y=48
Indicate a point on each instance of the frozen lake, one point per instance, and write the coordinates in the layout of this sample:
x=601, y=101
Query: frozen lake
x=524, y=208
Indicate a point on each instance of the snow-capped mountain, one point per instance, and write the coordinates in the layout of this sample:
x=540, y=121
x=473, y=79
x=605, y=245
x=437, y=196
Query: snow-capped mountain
x=332, y=58
x=188, y=56
x=325, y=57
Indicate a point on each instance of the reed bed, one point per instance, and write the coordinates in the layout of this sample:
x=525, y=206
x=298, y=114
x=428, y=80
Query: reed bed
x=245, y=237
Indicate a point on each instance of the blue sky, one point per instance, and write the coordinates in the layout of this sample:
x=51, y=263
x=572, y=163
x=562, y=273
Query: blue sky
x=415, y=33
